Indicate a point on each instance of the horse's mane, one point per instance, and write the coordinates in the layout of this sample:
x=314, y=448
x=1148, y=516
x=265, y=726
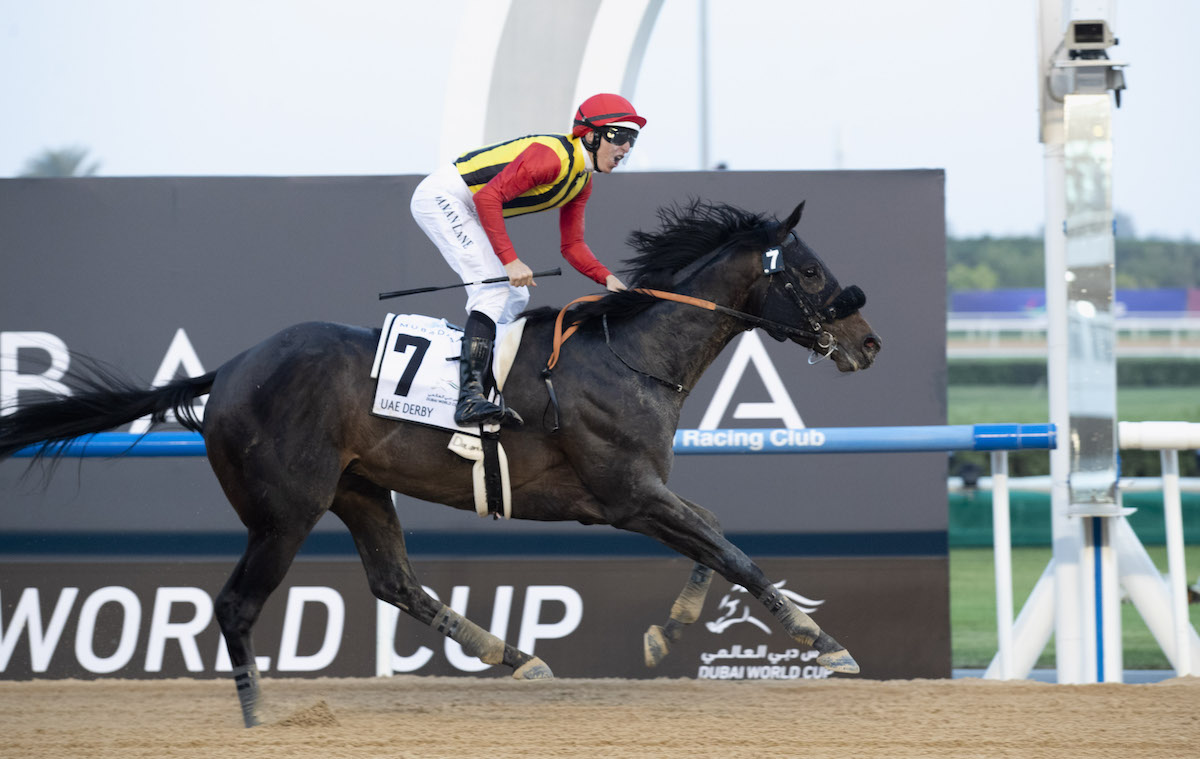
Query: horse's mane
x=685, y=234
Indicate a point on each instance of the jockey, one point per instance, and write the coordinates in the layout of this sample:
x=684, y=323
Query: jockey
x=462, y=207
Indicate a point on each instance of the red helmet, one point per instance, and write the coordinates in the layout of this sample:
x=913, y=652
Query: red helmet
x=602, y=109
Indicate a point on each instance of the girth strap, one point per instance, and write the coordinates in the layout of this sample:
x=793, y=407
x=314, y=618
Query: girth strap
x=492, y=481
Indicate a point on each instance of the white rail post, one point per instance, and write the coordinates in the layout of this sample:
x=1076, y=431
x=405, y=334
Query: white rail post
x=1173, y=522
x=1156, y=603
x=1002, y=557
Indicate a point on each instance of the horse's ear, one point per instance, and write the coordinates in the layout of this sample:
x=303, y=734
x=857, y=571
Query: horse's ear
x=790, y=222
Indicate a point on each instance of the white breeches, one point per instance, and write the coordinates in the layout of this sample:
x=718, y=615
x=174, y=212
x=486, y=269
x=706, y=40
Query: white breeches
x=442, y=207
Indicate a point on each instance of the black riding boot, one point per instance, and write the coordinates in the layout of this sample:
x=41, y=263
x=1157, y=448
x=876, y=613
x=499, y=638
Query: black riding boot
x=473, y=367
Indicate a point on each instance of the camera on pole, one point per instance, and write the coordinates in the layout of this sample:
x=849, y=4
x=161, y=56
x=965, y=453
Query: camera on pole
x=1081, y=64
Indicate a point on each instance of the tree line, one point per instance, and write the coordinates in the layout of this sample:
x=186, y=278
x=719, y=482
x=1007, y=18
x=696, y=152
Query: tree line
x=990, y=263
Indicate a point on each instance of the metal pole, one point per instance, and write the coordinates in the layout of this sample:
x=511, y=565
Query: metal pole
x=1076, y=76
x=703, y=43
x=1066, y=533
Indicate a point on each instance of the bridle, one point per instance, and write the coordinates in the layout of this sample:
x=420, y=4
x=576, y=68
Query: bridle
x=815, y=318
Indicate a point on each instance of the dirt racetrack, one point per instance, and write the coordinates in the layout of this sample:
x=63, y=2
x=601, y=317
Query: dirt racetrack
x=500, y=718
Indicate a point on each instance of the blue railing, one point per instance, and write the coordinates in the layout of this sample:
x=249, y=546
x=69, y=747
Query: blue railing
x=110, y=444
x=964, y=437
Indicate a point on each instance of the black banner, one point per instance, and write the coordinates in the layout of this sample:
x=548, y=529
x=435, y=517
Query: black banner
x=584, y=618
x=163, y=277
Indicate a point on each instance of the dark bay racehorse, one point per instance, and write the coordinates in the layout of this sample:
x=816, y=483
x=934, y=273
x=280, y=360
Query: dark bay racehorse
x=289, y=432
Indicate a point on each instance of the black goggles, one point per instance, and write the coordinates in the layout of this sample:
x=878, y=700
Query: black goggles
x=620, y=135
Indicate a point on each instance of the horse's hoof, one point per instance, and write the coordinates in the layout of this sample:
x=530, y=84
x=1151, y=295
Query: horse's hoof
x=839, y=661
x=655, y=646
x=534, y=669
x=249, y=696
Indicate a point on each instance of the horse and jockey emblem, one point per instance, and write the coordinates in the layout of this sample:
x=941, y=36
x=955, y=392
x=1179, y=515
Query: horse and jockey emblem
x=735, y=610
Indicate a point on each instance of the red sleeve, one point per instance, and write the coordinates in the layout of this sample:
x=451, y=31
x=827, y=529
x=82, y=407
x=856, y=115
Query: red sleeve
x=574, y=249
x=537, y=164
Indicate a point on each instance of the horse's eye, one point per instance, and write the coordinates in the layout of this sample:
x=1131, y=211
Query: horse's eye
x=811, y=271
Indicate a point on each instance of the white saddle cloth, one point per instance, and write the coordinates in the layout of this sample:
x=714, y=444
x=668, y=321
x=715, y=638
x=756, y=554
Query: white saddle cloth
x=416, y=368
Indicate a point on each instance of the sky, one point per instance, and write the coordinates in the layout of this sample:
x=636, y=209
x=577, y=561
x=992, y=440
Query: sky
x=301, y=87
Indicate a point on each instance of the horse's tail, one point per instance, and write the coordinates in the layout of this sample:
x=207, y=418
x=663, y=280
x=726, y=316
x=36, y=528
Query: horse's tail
x=102, y=401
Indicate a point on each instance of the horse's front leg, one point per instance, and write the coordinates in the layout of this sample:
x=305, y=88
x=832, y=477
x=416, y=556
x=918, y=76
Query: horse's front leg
x=656, y=643
x=679, y=525
x=802, y=628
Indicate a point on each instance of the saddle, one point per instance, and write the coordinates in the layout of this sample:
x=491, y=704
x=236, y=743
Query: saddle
x=417, y=381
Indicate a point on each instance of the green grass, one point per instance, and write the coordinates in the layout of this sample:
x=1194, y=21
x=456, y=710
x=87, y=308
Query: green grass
x=973, y=606
x=974, y=404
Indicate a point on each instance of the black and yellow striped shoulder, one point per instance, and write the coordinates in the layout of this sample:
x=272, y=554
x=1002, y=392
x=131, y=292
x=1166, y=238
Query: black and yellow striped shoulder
x=480, y=166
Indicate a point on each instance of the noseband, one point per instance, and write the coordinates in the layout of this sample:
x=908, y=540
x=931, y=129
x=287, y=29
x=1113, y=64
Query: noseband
x=815, y=317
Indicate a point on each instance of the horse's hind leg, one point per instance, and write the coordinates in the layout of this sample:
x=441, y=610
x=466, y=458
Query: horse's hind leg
x=260, y=570
x=279, y=508
x=367, y=511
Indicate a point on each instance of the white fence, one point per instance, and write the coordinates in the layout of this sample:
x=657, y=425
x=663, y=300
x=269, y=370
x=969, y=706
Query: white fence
x=1139, y=333
x=1163, y=605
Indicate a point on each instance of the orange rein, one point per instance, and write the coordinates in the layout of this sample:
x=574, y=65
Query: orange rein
x=560, y=336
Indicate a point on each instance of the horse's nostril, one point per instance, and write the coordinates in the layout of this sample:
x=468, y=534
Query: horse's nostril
x=872, y=343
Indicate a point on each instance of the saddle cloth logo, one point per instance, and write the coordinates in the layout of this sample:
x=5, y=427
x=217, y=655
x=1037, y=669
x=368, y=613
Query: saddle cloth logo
x=416, y=365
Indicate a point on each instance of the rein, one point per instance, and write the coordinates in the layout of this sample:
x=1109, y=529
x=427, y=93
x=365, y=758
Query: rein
x=846, y=303
x=561, y=335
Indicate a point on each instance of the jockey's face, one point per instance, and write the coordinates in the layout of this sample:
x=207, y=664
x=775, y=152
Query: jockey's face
x=608, y=153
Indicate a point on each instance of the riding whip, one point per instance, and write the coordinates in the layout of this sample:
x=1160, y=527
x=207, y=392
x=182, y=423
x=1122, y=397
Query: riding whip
x=491, y=281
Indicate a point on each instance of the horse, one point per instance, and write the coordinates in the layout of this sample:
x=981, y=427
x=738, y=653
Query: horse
x=289, y=433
